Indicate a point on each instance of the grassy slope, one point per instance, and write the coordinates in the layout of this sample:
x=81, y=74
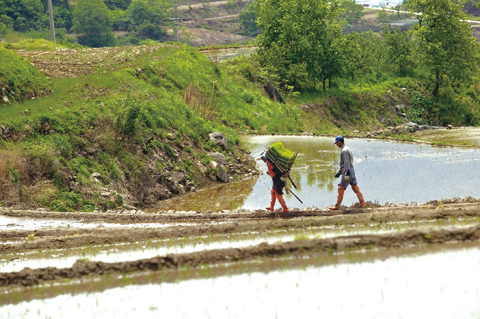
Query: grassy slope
x=119, y=118
x=19, y=80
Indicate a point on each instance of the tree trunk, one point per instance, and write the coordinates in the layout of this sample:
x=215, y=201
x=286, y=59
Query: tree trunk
x=437, y=85
x=324, y=80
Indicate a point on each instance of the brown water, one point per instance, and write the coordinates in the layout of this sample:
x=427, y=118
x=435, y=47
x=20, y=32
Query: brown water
x=386, y=171
x=439, y=282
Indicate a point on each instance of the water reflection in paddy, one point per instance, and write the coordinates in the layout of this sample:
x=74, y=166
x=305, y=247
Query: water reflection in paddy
x=387, y=172
x=62, y=258
x=438, y=285
x=24, y=223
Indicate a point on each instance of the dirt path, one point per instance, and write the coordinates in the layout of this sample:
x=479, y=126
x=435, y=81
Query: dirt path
x=212, y=19
x=203, y=5
x=136, y=216
x=298, y=248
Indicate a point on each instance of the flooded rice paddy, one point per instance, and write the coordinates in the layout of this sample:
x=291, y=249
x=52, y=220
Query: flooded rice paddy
x=217, y=254
x=437, y=284
x=15, y=223
x=387, y=172
x=62, y=258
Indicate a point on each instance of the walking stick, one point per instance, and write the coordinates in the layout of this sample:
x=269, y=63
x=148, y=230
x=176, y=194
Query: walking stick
x=292, y=181
x=295, y=186
x=289, y=190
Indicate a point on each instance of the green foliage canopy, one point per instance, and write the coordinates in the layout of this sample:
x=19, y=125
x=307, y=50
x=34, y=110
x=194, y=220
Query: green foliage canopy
x=145, y=18
x=247, y=19
x=401, y=50
x=91, y=17
x=351, y=11
x=449, y=50
x=117, y=4
x=23, y=15
x=299, y=40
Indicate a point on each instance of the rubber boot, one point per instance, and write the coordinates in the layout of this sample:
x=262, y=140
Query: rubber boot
x=357, y=191
x=272, y=202
x=282, y=202
x=341, y=191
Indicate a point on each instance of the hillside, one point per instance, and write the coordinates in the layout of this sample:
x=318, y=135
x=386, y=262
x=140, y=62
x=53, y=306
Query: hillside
x=116, y=129
x=131, y=125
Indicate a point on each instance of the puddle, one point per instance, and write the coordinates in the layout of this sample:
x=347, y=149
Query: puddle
x=434, y=285
x=386, y=171
x=62, y=258
x=19, y=223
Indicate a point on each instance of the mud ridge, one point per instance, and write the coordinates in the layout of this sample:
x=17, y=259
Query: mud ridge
x=75, y=237
x=169, y=216
x=81, y=268
x=211, y=215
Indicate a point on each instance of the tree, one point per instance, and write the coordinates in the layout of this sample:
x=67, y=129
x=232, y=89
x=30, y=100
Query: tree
x=117, y=4
x=382, y=15
x=299, y=40
x=400, y=48
x=351, y=11
x=364, y=54
x=91, y=17
x=146, y=19
x=23, y=15
x=247, y=19
x=448, y=49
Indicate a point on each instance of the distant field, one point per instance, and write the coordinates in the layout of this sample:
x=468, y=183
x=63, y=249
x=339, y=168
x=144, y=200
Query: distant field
x=474, y=18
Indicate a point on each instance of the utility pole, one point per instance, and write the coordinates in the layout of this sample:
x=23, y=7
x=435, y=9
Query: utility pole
x=176, y=22
x=52, y=26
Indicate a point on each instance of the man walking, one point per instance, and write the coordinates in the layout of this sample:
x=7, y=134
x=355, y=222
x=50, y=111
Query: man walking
x=347, y=174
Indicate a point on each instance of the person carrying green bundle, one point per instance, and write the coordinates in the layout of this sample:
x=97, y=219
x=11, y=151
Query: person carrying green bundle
x=278, y=160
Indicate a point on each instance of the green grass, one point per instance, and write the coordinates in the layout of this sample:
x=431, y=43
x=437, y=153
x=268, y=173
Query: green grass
x=19, y=79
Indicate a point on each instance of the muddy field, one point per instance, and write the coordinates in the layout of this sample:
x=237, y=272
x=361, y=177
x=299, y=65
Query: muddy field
x=36, y=230
x=54, y=255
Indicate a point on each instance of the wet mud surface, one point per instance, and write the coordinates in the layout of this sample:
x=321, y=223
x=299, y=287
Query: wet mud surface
x=63, y=237
x=298, y=248
x=119, y=252
x=12, y=295
x=451, y=223
x=171, y=215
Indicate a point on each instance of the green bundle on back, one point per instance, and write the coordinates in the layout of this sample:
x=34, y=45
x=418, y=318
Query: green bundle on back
x=281, y=157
